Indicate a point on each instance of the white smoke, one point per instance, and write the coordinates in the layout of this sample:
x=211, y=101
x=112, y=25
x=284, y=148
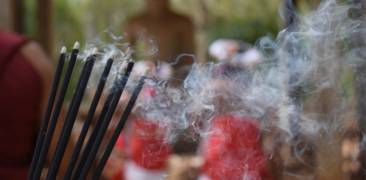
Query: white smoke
x=296, y=87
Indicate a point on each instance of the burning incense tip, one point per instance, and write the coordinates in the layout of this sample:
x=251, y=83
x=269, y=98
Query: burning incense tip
x=63, y=50
x=123, y=67
x=146, y=71
x=95, y=51
x=113, y=54
x=76, y=45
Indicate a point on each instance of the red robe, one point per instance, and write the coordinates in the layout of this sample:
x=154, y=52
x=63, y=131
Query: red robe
x=233, y=150
x=145, y=147
x=20, y=99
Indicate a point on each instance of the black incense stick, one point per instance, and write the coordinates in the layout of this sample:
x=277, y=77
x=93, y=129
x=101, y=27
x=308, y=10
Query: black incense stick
x=89, y=154
x=88, y=120
x=47, y=114
x=119, y=128
x=58, y=106
x=90, y=142
x=71, y=117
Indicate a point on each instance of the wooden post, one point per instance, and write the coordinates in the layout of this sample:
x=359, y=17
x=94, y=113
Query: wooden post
x=17, y=7
x=44, y=16
x=5, y=15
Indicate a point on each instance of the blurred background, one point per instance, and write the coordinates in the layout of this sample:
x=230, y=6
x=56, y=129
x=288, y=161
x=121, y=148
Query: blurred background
x=55, y=23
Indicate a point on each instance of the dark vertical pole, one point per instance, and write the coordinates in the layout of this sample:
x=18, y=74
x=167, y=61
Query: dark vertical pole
x=44, y=16
x=18, y=16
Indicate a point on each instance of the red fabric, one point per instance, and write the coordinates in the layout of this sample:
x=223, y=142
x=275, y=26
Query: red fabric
x=233, y=150
x=149, y=91
x=146, y=145
x=20, y=96
x=118, y=176
x=120, y=144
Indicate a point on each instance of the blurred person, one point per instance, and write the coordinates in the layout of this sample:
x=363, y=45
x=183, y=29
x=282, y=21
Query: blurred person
x=147, y=151
x=163, y=35
x=141, y=151
x=25, y=79
x=171, y=33
x=232, y=149
x=26, y=74
x=227, y=49
x=235, y=53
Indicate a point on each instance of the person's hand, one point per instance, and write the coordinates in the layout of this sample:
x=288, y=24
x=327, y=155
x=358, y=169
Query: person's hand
x=184, y=167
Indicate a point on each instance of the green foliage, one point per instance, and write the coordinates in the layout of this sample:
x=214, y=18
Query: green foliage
x=85, y=19
x=30, y=18
x=67, y=23
x=238, y=19
x=245, y=20
x=113, y=14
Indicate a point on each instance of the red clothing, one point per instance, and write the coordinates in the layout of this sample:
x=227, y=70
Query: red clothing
x=146, y=145
x=233, y=150
x=118, y=176
x=20, y=97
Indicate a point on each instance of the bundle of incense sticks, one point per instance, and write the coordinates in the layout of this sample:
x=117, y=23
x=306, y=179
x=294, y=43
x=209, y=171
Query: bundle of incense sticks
x=82, y=158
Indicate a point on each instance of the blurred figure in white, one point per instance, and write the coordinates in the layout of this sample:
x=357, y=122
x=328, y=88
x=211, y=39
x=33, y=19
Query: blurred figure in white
x=236, y=53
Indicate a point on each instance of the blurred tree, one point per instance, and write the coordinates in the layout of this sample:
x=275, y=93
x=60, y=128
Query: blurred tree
x=99, y=15
x=244, y=20
x=67, y=28
x=67, y=23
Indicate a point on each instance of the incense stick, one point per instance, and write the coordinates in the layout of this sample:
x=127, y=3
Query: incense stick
x=88, y=120
x=71, y=116
x=119, y=128
x=58, y=106
x=48, y=112
x=89, y=144
x=94, y=143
